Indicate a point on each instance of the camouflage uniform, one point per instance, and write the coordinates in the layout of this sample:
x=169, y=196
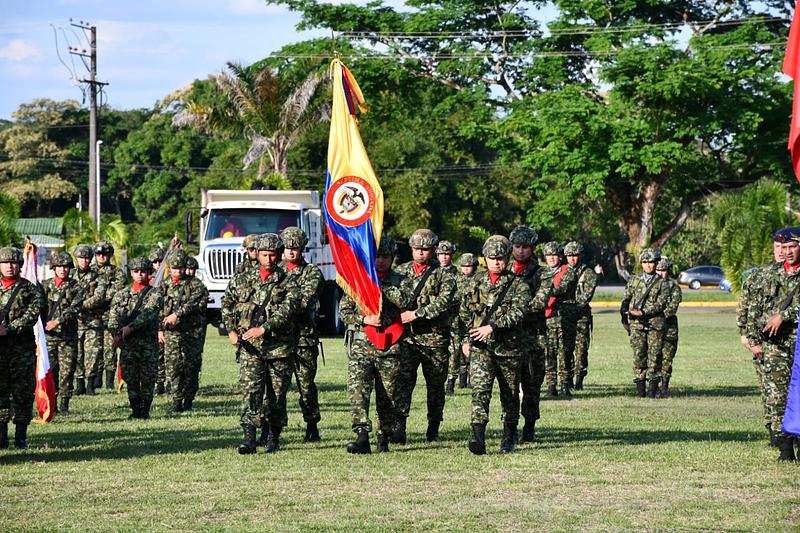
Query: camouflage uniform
x=139, y=309
x=64, y=304
x=670, y=343
x=156, y=255
x=183, y=348
x=114, y=281
x=500, y=355
x=428, y=337
x=310, y=283
x=193, y=265
x=576, y=308
x=647, y=293
x=90, y=323
x=239, y=290
x=560, y=330
x=459, y=363
x=17, y=351
x=448, y=248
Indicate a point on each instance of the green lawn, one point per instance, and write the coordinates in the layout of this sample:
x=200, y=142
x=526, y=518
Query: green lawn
x=604, y=460
x=689, y=295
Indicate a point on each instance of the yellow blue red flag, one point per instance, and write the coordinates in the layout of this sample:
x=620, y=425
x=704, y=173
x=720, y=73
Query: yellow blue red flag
x=353, y=196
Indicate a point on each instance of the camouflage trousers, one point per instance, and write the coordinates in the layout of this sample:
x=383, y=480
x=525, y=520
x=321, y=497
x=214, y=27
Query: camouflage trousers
x=669, y=346
x=109, y=351
x=485, y=367
x=90, y=352
x=777, y=362
x=583, y=337
x=161, y=366
x=367, y=366
x=139, y=369
x=762, y=391
x=305, y=372
x=560, y=350
x=264, y=384
x=459, y=363
x=63, y=359
x=433, y=359
x=532, y=375
x=183, y=358
x=17, y=380
x=646, y=344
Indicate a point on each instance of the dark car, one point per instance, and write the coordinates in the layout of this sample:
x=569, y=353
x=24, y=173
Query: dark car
x=696, y=277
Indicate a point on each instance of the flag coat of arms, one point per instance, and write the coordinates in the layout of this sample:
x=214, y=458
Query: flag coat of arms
x=353, y=196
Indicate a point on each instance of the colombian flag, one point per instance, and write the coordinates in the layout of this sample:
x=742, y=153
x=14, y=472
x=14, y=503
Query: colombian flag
x=353, y=196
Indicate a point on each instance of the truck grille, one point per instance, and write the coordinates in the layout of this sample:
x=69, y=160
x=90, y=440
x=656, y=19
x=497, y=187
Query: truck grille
x=221, y=262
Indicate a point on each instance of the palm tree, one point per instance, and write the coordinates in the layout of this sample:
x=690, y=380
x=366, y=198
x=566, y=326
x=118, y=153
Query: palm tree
x=9, y=213
x=80, y=228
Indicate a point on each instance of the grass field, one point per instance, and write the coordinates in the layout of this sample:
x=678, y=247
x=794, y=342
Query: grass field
x=688, y=295
x=604, y=460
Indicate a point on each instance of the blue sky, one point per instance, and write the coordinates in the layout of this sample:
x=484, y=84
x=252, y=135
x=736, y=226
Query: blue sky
x=146, y=48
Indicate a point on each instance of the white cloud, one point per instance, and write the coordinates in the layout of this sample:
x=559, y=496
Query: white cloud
x=253, y=7
x=19, y=50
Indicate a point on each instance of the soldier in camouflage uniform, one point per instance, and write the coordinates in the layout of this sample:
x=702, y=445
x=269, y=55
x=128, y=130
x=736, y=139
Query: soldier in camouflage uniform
x=444, y=254
x=670, y=343
x=191, y=272
x=21, y=303
x=134, y=319
x=114, y=281
x=156, y=257
x=184, y=301
x=266, y=344
x=533, y=330
x=428, y=332
x=642, y=310
x=772, y=334
x=310, y=282
x=369, y=364
x=492, y=309
x=64, y=298
x=90, y=322
x=576, y=308
x=459, y=363
x=561, y=281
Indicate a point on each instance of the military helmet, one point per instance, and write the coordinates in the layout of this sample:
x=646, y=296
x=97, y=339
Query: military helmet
x=467, y=260
x=141, y=263
x=104, y=247
x=523, y=236
x=573, y=248
x=156, y=254
x=250, y=241
x=270, y=242
x=650, y=255
x=552, y=248
x=664, y=264
x=496, y=246
x=446, y=247
x=294, y=237
x=84, y=251
x=387, y=246
x=192, y=263
x=423, y=238
x=178, y=259
x=11, y=254
x=62, y=259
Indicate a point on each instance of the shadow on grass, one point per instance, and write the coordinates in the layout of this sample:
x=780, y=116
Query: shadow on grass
x=601, y=390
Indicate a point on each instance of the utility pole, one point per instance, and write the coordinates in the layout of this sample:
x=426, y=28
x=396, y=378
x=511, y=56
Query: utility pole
x=93, y=86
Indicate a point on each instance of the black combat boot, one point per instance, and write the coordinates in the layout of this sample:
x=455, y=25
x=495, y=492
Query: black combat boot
x=3, y=435
x=565, y=390
x=168, y=387
x=64, y=407
x=274, y=440
x=450, y=390
x=640, y=392
x=264, y=438
x=399, y=435
x=383, y=442
x=80, y=389
x=144, y=408
x=579, y=383
x=463, y=382
x=509, y=438
x=773, y=438
x=177, y=406
x=312, y=433
x=98, y=380
x=361, y=444
x=552, y=391
x=134, y=403
x=529, y=430
x=90, y=382
x=653, y=391
x=187, y=404
x=110, y=379
x=432, y=434
x=665, y=387
x=478, y=443
x=248, y=445
x=159, y=388
x=786, y=446
x=21, y=437
x=571, y=383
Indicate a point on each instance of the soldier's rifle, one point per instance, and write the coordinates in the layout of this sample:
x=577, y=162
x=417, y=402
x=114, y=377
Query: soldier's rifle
x=246, y=345
x=134, y=314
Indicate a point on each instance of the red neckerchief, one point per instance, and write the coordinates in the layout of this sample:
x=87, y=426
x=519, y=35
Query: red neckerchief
x=59, y=281
x=419, y=268
x=7, y=282
x=790, y=269
x=139, y=286
x=291, y=266
x=175, y=281
x=382, y=275
x=264, y=273
x=494, y=277
x=548, y=312
x=520, y=266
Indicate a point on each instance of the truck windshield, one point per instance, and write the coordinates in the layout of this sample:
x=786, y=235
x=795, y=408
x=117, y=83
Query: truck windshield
x=243, y=222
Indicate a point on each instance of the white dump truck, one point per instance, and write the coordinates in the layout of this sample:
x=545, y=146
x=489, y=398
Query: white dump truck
x=228, y=216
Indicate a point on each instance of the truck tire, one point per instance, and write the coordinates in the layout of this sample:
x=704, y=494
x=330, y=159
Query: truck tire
x=328, y=321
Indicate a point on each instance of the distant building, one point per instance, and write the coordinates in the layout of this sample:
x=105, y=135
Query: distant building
x=48, y=236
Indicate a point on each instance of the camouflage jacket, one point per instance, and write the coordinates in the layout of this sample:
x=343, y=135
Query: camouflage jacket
x=144, y=326
x=451, y=269
x=184, y=299
x=310, y=283
x=462, y=282
x=582, y=292
x=750, y=289
x=64, y=304
x=22, y=315
x=566, y=287
x=432, y=306
x=675, y=298
x=777, y=293
x=280, y=298
x=236, y=299
x=651, y=299
x=114, y=281
x=200, y=316
x=247, y=265
x=94, y=294
x=540, y=291
x=480, y=296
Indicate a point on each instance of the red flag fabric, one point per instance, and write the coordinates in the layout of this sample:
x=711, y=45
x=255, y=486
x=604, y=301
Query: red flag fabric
x=791, y=67
x=548, y=312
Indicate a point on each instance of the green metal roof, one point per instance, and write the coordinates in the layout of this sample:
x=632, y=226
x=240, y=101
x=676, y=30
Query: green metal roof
x=40, y=226
x=47, y=241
